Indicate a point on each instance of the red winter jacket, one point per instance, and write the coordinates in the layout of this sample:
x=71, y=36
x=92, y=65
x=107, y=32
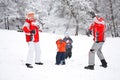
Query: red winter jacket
x=98, y=29
x=61, y=45
x=28, y=27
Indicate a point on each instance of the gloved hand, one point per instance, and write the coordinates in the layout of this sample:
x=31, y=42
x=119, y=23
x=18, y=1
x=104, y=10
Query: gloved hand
x=67, y=41
x=88, y=33
x=92, y=14
x=32, y=32
x=31, y=37
x=40, y=30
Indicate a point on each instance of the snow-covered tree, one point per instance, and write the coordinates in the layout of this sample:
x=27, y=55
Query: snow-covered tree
x=61, y=15
x=74, y=11
x=7, y=11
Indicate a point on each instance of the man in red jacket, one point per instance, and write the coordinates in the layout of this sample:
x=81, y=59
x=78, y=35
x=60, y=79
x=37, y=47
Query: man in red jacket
x=31, y=30
x=97, y=28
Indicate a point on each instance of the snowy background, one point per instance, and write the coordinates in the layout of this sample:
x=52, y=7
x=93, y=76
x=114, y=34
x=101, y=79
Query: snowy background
x=60, y=16
x=13, y=53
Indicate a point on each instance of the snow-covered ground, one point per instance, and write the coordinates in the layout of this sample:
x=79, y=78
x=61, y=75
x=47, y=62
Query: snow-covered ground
x=13, y=53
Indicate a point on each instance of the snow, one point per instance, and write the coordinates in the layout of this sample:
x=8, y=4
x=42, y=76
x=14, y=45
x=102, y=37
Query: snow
x=13, y=53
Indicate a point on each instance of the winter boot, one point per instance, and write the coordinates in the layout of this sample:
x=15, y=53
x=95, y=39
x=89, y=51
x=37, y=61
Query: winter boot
x=39, y=63
x=70, y=56
x=104, y=63
x=29, y=65
x=57, y=64
x=90, y=67
x=63, y=62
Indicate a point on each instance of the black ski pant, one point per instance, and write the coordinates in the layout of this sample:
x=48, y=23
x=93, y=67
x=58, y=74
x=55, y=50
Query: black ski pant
x=68, y=53
x=60, y=58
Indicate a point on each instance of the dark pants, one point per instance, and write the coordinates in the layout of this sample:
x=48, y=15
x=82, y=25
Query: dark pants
x=68, y=53
x=60, y=58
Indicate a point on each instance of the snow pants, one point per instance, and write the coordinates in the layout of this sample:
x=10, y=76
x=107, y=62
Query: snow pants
x=34, y=47
x=68, y=53
x=60, y=58
x=96, y=48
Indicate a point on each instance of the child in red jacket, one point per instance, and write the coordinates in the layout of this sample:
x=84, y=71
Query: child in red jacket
x=61, y=47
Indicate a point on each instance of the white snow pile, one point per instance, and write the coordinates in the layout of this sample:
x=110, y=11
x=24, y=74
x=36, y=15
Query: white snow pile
x=13, y=53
